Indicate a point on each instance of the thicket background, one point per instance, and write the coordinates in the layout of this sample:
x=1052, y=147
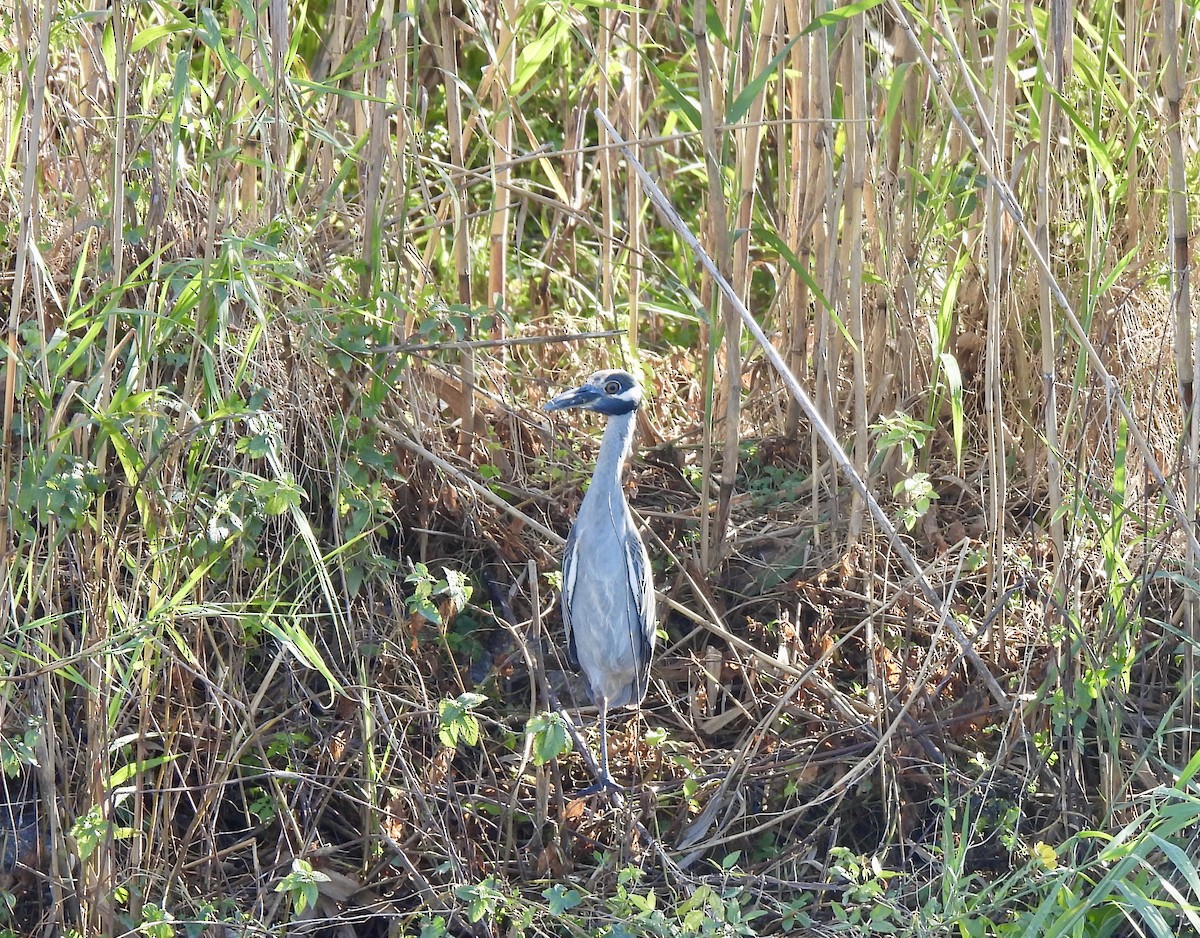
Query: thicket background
x=285, y=285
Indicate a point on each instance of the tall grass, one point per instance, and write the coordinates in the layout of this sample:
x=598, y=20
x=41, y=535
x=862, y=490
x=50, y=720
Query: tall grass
x=280, y=517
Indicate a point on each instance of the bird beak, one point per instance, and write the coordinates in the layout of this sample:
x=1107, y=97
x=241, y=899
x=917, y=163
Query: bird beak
x=583, y=396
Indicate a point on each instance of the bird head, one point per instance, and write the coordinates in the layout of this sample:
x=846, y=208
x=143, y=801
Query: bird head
x=606, y=392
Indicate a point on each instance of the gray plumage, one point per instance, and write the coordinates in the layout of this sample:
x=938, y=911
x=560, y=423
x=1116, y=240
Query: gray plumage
x=608, y=591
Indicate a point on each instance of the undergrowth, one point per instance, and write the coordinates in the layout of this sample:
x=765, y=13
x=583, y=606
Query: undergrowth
x=281, y=516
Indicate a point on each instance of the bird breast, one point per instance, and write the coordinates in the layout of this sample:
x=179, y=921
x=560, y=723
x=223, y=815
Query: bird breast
x=605, y=621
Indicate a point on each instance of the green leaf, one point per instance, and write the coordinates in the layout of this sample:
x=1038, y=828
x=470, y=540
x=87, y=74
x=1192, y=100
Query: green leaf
x=713, y=24
x=108, y=48
x=535, y=54
x=458, y=724
x=210, y=35
x=424, y=606
x=280, y=497
x=833, y=17
x=741, y=104
x=953, y=379
x=296, y=640
x=550, y=737
x=689, y=111
x=456, y=587
x=126, y=772
x=561, y=899
x=1096, y=147
x=256, y=447
x=153, y=34
x=802, y=272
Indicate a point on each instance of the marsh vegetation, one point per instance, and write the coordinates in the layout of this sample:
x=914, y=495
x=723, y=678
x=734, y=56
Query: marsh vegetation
x=285, y=286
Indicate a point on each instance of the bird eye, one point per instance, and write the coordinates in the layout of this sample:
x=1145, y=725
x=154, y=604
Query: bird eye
x=612, y=387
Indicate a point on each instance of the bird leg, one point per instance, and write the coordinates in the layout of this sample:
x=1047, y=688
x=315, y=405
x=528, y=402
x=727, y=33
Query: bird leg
x=604, y=781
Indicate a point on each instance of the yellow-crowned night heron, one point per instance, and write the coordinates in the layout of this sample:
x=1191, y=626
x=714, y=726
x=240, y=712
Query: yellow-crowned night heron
x=607, y=589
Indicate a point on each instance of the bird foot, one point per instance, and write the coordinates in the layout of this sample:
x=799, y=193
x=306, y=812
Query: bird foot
x=602, y=784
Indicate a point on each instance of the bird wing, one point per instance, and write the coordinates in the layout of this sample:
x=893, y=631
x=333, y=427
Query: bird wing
x=641, y=595
x=570, y=570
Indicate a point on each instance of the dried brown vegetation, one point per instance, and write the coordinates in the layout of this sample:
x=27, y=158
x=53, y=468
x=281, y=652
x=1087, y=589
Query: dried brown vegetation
x=285, y=286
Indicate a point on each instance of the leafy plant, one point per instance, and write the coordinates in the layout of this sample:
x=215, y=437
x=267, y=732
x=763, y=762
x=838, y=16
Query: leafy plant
x=91, y=829
x=303, y=884
x=16, y=752
x=905, y=434
x=561, y=899
x=458, y=723
x=483, y=899
x=453, y=589
x=908, y=437
x=915, y=494
x=550, y=736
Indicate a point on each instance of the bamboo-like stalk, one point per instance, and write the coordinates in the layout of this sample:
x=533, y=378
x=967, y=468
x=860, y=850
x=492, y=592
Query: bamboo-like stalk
x=711, y=94
x=448, y=61
x=401, y=81
x=1054, y=66
x=800, y=212
x=905, y=137
x=99, y=874
x=504, y=74
x=1187, y=351
x=996, y=283
x=825, y=257
x=855, y=81
x=633, y=184
x=335, y=49
x=278, y=159
x=605, y=161
x=748, y=140
x=1131, y=49
x=27, y=233
x=248, y=200
x=375, y=159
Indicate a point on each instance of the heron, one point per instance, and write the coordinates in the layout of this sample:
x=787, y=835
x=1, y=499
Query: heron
x=607, y=586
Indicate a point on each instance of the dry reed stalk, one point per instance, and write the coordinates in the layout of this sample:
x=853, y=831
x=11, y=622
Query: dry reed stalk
x=278, y=159
x=717, y=226
x=854, y=85
x=359, y=15
x=401, y=81
x=905, y=138
x=335, y=51
x=747, y=136
x=1055, y=65
x=249, y=202
x=796, y=166
x=27, y=234
x=605, y=162
x=996, y=282
x=825, y=374
x=633, y=184
x=447, y=50
x=1131, y=55
x=1186, y=349
x=98, y=873
x=504, y=73
x=375, y=156
x=851, y=300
